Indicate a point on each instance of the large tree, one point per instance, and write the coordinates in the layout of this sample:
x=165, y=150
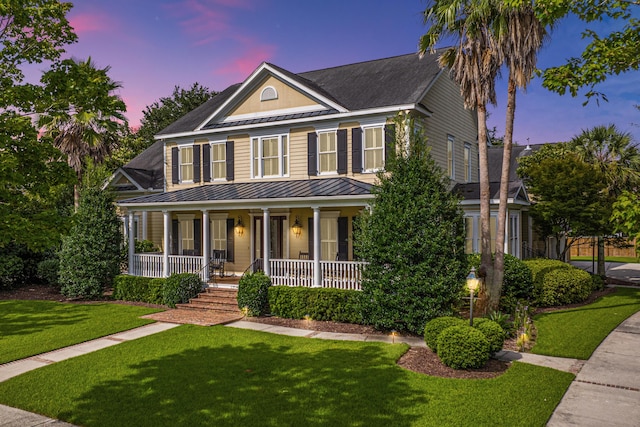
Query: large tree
x=82, y=113
x=32, y=175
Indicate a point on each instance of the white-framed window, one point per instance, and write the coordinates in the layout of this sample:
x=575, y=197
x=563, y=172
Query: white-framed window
x=270, y=156
x=514, y=235
x=186, y=237
x=268, y=93
x=186, y=163
x=218, y=230
x=219, y=160
x=451, y=173
x=467, y=162
x=373, y=148
x=327, y=152
x=328, y=238
x=472, y=232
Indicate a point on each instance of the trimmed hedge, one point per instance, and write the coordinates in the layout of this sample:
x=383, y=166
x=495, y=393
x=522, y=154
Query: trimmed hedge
x=253, y=293
x=335, y=305
x=434, y=327
x=178, y=288
x=131, y=288
x=492, y=331
x=463, y=347
x=559, y=283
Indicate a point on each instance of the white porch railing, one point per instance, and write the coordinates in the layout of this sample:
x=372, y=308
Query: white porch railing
x=152, y=265
x=335, y=274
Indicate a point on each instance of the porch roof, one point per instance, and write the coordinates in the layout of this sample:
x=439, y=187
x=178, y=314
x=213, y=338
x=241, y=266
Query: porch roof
x=265, y=191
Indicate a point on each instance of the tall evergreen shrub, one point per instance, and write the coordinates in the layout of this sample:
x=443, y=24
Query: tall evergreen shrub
x=413, y=240
x=90, y=254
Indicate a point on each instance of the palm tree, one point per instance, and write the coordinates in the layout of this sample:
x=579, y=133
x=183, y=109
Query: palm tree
x=83, y=115
x=613, y=153
x=520, y=35
x=474, y=63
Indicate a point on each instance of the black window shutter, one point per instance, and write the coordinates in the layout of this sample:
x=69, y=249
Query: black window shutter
x=230, y=166
x=354, y=227
x=310, y=226
x=230, y=239
x=389, y=141
x=312, y=153
x=356, y=150
x=197, y=237
x=206, y=163
x=196, y=163
x=175, y=244
x=175, y=167
x=343, y=238
x=342, y=151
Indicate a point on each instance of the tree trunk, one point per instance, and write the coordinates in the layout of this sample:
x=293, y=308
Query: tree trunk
x=486, y=265
x=601, y=267
x=76, y=197
x=495, y=288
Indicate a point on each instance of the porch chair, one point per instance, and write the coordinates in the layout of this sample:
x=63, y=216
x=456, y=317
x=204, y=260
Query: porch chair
x=188, y=252
x=219, y=257
x=303, y=255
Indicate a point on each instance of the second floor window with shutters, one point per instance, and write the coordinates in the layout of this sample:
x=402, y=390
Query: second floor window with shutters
x=219, y=160
x=186, y=164
x=327, y=152
x=373, y=148
x=270, y=156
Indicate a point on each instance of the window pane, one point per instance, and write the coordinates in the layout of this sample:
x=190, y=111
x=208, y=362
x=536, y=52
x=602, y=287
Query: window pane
x=186, y=164
x=327, y=152
x=219, y=234
x=218, y=161
x=328, y=238
x=256, y=157
x=285, y=155
x=186, y=231
x=270, y=167
x=467, y=164
x=468, y=231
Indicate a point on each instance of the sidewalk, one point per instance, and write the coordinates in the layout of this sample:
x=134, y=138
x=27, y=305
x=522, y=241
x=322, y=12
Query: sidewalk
x=605, y=392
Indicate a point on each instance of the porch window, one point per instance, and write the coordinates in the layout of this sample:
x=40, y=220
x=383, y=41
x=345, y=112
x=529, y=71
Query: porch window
x=469, y=240
x=328, y=238
x=450, y=157
x=472, y=233
x=219, y=233
x=186, y=164
x=514, y=235
x=327, y=152
x=270, y=156
x=187, y=235
x=373, y=148
x=467, y=162
x=219, y=160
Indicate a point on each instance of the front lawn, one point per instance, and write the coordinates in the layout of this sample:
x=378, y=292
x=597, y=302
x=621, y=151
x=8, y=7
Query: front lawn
x=218, y=375
x=28, y=328
x=577, y=332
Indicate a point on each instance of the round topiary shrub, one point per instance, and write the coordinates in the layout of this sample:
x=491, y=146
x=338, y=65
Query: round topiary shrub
x=434, y=327
x=559, y=283
x=179, y=288
x=253, y=293
x=463, y=347
x=492, y=331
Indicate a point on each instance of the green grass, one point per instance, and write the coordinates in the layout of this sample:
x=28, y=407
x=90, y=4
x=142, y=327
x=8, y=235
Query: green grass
x=28, y=328
x=625, y=259
x=578, y=331
x=221, y=376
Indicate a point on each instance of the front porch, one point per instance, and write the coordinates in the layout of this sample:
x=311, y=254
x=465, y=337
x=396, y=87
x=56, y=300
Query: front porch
x=283, y=272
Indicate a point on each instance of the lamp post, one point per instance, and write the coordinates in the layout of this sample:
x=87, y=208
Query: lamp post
x=472, y=284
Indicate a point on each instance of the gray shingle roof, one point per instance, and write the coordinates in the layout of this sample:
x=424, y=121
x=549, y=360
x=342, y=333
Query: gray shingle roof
x=330, y=187
x=147, y=168
x=379, y=83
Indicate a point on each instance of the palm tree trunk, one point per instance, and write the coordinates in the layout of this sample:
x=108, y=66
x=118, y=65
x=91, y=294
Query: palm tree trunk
x=76, y=197
x=486, y=266
x=498, y=264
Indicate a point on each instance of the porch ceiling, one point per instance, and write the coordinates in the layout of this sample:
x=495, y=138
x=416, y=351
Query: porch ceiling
x=254, y=192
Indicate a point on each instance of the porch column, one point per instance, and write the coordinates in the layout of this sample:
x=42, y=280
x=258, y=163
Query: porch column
x=206, y=250
x=132, y=243
x=145, y=222
x=266, y=250
x=165, y=254
x=317, y=274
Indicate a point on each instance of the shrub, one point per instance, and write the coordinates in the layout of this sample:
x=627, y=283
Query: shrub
x=253, y=293
x=145, y=246
x=492, y=331
x=463, y=347
x=11, y=267
x=335, y=305
x=49, y=271
x=558, y=283
x=597, y=283
x=434, y=327
x=155, y=292
x=179, y=288
x=131, y=288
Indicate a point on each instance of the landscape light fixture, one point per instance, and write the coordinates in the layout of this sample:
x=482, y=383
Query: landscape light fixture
x=472, y=284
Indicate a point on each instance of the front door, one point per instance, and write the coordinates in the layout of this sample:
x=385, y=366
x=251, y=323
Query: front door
x=276, y=239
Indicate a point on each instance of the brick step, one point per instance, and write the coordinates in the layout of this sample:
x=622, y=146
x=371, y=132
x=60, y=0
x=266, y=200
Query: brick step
x=195, y=304
x=228, y=292
x=215, y=298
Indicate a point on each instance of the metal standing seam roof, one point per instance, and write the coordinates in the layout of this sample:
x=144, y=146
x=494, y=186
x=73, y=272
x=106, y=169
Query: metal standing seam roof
x=314, y=188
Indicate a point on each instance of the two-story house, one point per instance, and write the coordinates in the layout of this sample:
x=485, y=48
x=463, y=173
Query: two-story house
x=275, y=169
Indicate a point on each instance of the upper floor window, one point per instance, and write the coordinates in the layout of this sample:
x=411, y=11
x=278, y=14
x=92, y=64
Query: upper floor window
x=450, y=157
x=219, y=160
x=270, y=156
x=268, y=93
x=467, y=162
x=186, y=163
x=327, y=152
x=373, y=148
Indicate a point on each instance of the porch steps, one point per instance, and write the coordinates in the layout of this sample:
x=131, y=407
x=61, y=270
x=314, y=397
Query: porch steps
x=222, y=300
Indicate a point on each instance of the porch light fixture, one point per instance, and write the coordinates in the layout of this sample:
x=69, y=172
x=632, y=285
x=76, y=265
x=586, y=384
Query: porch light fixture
x=472, y=284
x=239, y=226
x=297, y=227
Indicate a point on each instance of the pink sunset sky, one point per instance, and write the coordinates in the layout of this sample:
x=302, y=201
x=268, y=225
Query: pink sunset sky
x=154, y=45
